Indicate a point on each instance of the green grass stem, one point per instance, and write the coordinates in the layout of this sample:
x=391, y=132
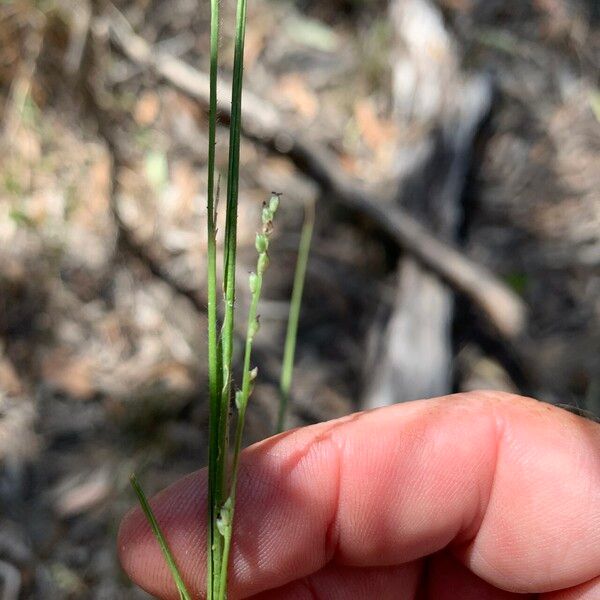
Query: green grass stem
x=291, y=336
x=227, y=332
x=214, y=373
x=232, y=192
x=160, y=538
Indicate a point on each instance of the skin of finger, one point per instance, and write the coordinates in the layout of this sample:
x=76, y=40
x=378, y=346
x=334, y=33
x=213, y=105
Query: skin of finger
x=340, y=583
x=392, y=485
x=541, y=528
x=285, y=501
x=449, y=579
x=504, y=472
x=586, y=591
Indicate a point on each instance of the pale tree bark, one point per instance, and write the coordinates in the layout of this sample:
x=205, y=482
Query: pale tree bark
x=411, y=349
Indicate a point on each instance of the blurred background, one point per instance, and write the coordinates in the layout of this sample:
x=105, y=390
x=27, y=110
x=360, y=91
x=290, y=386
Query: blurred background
x=452, y=150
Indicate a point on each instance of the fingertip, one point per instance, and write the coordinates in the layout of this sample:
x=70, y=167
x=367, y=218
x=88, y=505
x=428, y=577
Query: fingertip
x=131, y=541
x=586, y=591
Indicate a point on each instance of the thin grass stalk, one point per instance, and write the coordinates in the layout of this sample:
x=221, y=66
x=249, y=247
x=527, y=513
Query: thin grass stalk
x=248, y=377
x=221, y=474
x=233, y=189
x=160, y=538
x=234, y=151
x=214, y=375
x=289, y=352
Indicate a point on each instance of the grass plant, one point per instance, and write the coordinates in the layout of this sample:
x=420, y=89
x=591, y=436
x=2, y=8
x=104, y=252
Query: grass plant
x=218, y=491
x=223, y=472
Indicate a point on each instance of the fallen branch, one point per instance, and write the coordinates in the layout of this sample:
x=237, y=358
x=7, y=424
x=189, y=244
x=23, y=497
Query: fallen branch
x=263, y=123
x=412, y=350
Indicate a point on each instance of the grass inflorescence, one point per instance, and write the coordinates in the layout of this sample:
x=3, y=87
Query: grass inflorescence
x=249, y=375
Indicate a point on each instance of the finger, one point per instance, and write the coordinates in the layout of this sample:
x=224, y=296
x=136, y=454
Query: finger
x=448, y=579
x=585, y=591
x=341, y=583
x=514, y=484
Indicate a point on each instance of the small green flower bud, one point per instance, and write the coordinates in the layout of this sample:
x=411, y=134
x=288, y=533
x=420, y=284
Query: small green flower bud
x=253, y=282
x=238, y=400
x=262, y=243
x=273, y=204
x=224, y=519
x=253, y=329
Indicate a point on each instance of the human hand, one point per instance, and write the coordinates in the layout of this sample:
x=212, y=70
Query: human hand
x=475, y=496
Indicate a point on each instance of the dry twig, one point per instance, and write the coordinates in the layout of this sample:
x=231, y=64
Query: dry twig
x=263, y=123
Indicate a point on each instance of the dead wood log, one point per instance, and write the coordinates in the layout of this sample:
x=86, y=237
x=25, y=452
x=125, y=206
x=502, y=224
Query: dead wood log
x=411, y=350
x=263, y=123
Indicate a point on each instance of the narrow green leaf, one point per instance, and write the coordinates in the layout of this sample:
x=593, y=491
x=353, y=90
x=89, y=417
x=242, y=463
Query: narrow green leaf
x=162, y=542
x=220, y=476
x=289, y=352
x=214, y=371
